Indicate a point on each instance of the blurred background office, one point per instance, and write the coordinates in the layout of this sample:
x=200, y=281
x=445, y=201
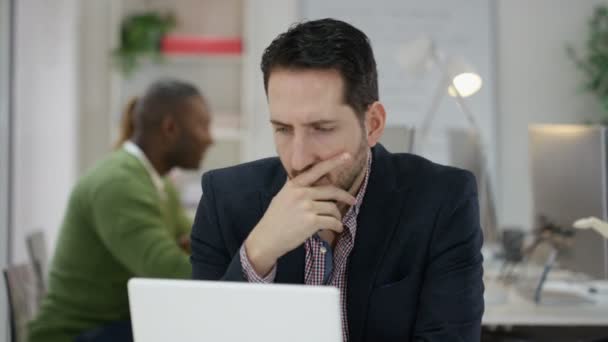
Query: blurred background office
x=68, y=68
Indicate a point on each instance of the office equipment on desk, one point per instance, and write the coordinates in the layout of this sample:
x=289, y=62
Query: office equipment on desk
x=513, y=244
x=187, y=310
x=539, y=294
x=518, y=310
x=567, y=299
x=569, y=181
x=558, y=292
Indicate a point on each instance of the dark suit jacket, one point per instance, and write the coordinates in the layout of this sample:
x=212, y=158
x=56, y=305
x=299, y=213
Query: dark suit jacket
x=415, y=272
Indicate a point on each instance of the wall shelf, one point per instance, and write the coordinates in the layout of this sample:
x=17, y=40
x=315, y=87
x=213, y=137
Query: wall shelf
x=201, y=45
x=202, y=59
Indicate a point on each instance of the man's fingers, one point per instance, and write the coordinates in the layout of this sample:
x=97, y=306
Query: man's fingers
x=327, y=209
x=321, y=169
x=329, y=222
x=332, y=193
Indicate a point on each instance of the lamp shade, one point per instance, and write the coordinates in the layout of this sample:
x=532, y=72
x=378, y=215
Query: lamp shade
x=466, y=80
x=419, y=55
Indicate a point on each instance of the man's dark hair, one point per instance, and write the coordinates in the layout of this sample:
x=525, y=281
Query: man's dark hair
x=328, y=44
x=163, y=97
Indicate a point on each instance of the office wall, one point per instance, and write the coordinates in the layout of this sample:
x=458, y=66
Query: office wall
x=94, y=71
x=45, y=116
x=264, y=20
x=4, y=155
x=535, y=83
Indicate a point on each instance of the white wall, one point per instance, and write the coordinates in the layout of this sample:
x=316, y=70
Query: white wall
x=4, y=157
x=536, y=83
x=45, y=117
x=94, y=76
x=264, y=20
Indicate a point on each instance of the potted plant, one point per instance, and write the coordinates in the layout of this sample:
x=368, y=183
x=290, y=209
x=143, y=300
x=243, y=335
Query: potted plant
x=140, y=36
x=594, y=61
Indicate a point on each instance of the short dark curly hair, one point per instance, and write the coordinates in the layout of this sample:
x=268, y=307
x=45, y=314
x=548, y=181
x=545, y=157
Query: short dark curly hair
x=162, y=98
x=328, y=44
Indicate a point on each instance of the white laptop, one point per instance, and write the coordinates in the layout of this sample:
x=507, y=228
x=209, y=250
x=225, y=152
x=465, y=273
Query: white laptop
x=189, y=310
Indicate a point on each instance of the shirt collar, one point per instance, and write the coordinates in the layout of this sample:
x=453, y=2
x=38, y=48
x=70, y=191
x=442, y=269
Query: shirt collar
x=137, y=152
x=354, y=210
x=363, y=188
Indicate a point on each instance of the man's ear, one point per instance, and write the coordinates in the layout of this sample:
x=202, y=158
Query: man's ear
x=169, y=127
x=375, y=120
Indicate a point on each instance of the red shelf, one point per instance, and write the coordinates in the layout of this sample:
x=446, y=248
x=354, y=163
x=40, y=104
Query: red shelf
x=201, y=45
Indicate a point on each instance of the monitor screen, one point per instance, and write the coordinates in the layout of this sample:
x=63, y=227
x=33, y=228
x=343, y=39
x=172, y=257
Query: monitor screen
x=568, y=169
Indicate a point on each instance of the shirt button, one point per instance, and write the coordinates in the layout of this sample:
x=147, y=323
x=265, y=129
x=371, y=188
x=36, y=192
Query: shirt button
x=323, y=250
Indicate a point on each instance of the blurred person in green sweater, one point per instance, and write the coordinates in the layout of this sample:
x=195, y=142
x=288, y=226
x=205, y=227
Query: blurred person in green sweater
x=124, y=219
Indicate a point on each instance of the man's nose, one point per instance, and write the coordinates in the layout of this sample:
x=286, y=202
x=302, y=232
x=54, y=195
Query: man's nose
x=302, y=157
x=209, y=140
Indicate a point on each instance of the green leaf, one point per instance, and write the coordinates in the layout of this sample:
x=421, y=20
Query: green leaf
x=140, y=36
x=593, y=60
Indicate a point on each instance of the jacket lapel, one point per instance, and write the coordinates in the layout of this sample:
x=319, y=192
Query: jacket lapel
x=376, y=222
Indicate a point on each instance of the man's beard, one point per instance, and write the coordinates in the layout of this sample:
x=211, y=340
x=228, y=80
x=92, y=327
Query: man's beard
x=184, y=155
x=347, y=178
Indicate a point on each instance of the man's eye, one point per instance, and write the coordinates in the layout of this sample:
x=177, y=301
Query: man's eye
x=324, y=129
x=281, y=129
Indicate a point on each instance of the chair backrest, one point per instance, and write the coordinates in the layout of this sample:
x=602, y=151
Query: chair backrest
x=22, y=290
x=36, y=247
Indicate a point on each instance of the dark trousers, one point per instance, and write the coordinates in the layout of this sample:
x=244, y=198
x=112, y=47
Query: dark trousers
x=116, y=332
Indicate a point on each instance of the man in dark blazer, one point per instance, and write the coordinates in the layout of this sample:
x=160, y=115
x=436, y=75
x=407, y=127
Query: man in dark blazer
x=396, y=233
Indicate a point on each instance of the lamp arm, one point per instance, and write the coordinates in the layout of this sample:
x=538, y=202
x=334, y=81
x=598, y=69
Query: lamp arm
x=484, y=181
x=439, y=93
x=431, y=113
x=489, y=220
x=465, y=108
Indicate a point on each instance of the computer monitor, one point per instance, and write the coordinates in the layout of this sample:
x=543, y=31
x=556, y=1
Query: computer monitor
x=569, y=180
x=398, y=138
x=465, y=152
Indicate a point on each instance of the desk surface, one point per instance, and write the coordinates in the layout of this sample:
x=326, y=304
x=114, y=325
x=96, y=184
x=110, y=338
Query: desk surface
x=506, y=306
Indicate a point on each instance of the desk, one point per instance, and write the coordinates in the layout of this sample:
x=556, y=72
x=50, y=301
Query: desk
x=513, y=309
x=506, y=306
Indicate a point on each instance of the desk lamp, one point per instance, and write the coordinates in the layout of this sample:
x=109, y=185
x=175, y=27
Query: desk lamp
x=459, y=80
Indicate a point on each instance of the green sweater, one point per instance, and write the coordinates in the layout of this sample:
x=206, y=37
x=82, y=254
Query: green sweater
x=116, y=227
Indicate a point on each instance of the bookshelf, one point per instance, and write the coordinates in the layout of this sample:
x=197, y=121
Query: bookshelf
x=205, y=49
x=232, y=82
